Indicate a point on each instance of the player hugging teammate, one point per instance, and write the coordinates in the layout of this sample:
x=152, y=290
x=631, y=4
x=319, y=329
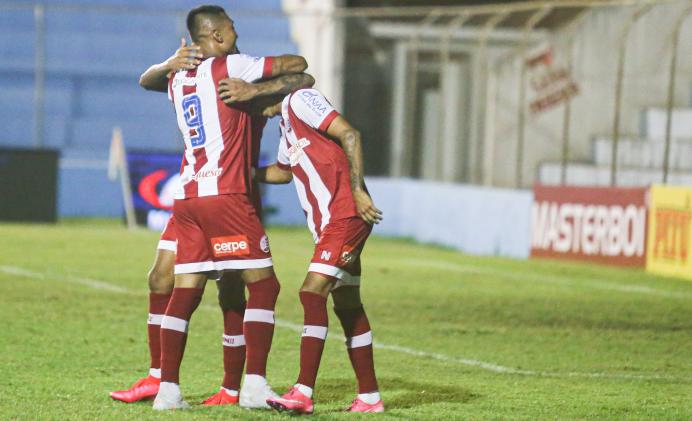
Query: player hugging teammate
x=219, y=97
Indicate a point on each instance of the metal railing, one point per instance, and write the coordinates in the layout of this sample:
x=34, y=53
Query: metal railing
x=459, y=17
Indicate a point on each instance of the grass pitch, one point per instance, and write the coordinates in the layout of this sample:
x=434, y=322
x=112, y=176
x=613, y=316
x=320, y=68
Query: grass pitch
x=459, y=337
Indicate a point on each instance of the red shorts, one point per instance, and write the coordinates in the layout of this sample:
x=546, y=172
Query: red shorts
x=168, y=239
x=217, y=233
x=338, y=249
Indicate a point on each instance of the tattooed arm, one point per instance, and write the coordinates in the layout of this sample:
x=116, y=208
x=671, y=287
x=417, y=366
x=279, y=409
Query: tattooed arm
x=232, y=91
x=351, y=143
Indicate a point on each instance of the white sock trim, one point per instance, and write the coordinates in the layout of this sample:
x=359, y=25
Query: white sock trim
x=258, y=315
x=155, y=319
x=254, y=380
x=361, y=340
x=233, y=341
x=319, y=332
x=230, y=392
x=370, y=398
x=174, y=323
x=168, y=389
x=305, y=390
x=155, y=372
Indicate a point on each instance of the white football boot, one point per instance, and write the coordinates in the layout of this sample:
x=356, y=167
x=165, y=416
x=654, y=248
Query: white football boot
x=255, y=392
x=169, y=397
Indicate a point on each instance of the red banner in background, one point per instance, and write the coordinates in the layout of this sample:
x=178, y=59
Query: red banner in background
x=604, y=225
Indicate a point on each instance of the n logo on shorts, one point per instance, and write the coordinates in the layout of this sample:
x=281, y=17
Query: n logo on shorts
x=234, y=245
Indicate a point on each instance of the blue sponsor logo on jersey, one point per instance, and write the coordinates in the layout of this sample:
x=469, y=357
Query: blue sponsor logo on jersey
x=314, y=101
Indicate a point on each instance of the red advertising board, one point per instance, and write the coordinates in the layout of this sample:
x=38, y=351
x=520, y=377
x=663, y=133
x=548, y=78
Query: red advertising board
x=604, y=225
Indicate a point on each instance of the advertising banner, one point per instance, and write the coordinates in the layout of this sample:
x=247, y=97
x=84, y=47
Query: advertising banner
x=604, y=225
x=670, y=232
x=154, y=179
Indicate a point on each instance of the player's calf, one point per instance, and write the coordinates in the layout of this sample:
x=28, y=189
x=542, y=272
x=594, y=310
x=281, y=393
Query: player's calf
x=258, y=330
x=354, y=320
x=184, y=302
x=161, y=281
x=233, y=304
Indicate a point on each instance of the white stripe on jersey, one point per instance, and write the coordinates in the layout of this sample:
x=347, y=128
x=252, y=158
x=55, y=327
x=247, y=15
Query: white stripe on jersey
x=318, y=189
x=303, y=197
x=206, y=90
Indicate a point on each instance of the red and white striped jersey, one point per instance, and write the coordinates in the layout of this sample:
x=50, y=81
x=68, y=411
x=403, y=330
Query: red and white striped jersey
x=319, y=165
x=218, y=138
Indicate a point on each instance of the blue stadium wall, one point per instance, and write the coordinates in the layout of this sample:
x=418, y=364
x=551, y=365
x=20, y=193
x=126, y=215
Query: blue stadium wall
x=95, y=52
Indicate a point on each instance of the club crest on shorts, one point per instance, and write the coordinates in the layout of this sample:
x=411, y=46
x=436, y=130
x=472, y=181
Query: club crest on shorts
x=348, y=255
x=264, y=244
x=233, y=245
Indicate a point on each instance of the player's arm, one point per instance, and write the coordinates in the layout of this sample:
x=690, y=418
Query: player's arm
x=186, y=57
x=288, y=64
x=267, y=106
x=234, y=90
x=273, y=174
x=350, y=140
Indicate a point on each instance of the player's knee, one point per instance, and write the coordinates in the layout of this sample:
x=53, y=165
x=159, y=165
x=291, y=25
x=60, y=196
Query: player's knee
x=317, y=284
x=346, y=297
x=160, y=282
x=268, y=287
x=232, y=302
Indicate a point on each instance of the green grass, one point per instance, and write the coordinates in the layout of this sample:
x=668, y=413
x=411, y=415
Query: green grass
x=578, y=341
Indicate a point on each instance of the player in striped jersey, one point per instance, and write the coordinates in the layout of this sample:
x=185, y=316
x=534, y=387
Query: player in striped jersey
x=321, y=152
x=216, y=178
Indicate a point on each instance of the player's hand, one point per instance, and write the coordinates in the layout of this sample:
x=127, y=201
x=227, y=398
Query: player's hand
x=366, y=208
x=236, y=90
x=272, y=110
x=186, y=57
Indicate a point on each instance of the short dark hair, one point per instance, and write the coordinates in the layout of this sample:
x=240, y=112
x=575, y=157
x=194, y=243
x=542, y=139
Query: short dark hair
x=193, y=23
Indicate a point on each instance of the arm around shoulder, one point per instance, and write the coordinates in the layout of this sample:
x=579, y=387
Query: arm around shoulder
x=288, y=64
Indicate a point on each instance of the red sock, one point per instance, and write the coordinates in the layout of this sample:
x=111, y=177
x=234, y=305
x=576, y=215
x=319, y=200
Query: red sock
x=233, y=348
x=183, y=303
x=258, y=326
x=315, y=322
x=359, y=345
x=157, y=308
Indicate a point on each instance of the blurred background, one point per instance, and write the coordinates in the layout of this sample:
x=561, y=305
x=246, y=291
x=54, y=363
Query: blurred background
x=464, y=105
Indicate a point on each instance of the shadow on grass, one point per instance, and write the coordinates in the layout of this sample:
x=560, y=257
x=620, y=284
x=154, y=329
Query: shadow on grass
x=398, y=393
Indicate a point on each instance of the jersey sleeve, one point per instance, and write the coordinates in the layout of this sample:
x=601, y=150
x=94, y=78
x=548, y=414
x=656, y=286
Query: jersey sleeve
x=248, y=68
x=282, y=159
x=312, y=107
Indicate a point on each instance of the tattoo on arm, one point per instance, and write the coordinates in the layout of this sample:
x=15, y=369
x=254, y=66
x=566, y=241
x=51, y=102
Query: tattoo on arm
x=285, y=84
x=350, y=142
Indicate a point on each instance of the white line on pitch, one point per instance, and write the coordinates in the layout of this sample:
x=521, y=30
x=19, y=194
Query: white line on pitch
x=550, y=279
x=496, y=368
x=92, y=283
